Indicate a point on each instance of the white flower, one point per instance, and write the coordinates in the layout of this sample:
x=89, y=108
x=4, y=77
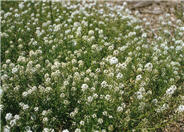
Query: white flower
x=12, y=122
x=100, y=120
x=84, y=87
x=116, y=52
x=45, y=130
x=6, y=129
x=44, y=112
x=164, y=107
x=1, y=91
x=113, y=60
x=47, y=89
x=1, y=107
x=94, y=115
x=14, y=70
x=105, y=113
x=25, y=107
x=24, y=94
x=77, y=130
x=142, y=89
x=62, y=95
x=91, y=32
x=119, y=76
x=139, y=95
x=90, y=99
x=21, y=5
x=104, y=84
x=82, y=122
x=180, y=108
x=138, y=77
x=95, y=95
x=103, y=130
x=66, y=130
x=121, y=85
x=144, y=35
x=45, y=119
x=107, y=97
x=148, y=67
x=155, y=101
x=72, y=114
x=119, y=109
x=21, y=59
x=128, y=60
x=182, y=28
x=36, y=109
x=171, y=90
x=29, y=131
x=17, y=117
x=66, y=102
x=139, y=69
x=8, y=116
x=66, y=83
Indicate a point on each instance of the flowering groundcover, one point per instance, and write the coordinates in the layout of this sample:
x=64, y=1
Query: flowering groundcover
x=87, y=67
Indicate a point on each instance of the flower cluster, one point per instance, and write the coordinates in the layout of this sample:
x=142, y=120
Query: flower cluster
x=87, y=66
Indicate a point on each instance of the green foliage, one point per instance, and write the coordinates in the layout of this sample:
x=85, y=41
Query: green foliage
x=86, y=66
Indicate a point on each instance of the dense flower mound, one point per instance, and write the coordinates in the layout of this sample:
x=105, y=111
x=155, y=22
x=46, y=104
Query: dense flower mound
x=86, y=66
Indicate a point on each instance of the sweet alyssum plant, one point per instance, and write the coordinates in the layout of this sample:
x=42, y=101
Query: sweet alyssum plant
x=87, y=66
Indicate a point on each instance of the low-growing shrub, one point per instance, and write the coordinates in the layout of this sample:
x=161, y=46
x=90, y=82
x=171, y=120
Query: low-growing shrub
x=87, y=66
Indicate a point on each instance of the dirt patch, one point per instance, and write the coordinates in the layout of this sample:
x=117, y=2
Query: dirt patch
x=152, y=12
